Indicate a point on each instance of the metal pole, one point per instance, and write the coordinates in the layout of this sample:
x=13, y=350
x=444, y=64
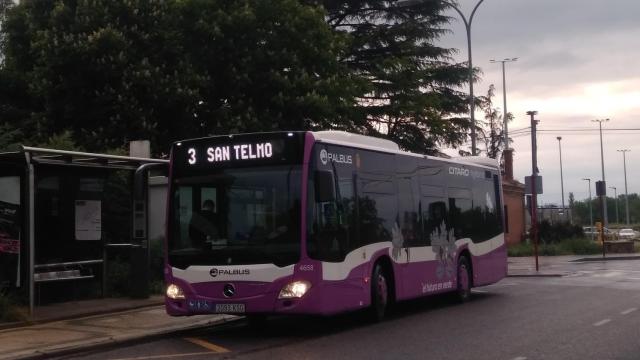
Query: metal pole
x=561, y=177
x=590, y=209
x=605, y=217
x=615, y=194
x=467, y=25
x=626, y=195
x=534, y=174
x=32, y=235
x=504, y=112
x=504, y=99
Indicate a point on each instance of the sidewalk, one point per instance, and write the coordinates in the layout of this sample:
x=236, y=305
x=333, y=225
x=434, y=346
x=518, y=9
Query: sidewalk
x=547, y=266
x=551, y=266
x=66, y=336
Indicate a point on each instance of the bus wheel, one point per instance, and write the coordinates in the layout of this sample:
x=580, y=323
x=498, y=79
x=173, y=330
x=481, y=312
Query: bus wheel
x=463, y=292
x=379, y=294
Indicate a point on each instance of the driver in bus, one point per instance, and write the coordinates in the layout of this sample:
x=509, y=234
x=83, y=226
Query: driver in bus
x=203, y=227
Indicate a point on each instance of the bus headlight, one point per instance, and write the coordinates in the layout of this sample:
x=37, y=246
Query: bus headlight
x=174, y=292
x=296, y=289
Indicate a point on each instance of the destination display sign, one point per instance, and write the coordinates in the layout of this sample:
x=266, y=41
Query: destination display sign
x=238, y=151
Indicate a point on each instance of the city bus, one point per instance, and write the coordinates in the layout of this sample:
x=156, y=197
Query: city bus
x=323, y=223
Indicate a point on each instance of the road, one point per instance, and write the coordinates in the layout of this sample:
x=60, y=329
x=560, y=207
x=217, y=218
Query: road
x=592, y=313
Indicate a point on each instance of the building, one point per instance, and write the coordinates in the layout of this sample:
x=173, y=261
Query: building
x=514, y=208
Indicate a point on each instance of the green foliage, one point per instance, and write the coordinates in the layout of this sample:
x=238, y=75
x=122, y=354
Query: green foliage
x=119, y=276
x=10, y=309
x=411, y=96
x=555, y=232
x=62, y=141
x=572, y=246
x=580, y=209
x=491, y=131
x=110, y=71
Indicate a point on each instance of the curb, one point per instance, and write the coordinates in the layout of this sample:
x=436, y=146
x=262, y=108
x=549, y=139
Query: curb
x=635, y=257
x=109, y=342
x=19, y=324
x=536, y=275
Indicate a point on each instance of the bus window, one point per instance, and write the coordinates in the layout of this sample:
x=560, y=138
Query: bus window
x=408, y=213
x=433, y=217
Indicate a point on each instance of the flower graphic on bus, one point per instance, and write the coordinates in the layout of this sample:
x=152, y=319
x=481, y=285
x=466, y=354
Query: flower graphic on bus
x=397, y=240
x=443, y=243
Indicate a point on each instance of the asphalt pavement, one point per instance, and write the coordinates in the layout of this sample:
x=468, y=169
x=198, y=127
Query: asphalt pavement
x=576, y=308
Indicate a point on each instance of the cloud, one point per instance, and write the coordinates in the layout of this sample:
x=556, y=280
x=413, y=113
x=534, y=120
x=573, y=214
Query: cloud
x=577, y=62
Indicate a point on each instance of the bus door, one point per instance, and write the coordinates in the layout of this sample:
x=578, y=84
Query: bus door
x=406, y=237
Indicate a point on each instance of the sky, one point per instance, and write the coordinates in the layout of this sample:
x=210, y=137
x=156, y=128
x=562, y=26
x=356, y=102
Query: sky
x=577, y=61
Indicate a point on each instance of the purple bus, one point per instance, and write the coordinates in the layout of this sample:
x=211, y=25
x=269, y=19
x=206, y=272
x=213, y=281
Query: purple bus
x=325, y=222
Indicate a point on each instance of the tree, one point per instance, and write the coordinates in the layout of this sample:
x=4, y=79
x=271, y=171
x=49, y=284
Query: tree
x=111, y=71
x=491, y=131
x=412, y=96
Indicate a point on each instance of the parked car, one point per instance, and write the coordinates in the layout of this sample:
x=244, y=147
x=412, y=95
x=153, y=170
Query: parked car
x=590, y=231
x=626, y=234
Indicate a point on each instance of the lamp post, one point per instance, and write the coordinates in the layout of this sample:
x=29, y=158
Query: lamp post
x=561, y=178
x=605, y=218
x=615, y=193
x=467, y=25
x=504, y=99
x=590, y=209
x=626, y=195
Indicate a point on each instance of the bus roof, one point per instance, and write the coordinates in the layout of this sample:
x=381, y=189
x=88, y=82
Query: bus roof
x=384, y=145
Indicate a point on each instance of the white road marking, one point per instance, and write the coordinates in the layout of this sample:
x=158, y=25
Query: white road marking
x=608, y=274
x=520, y=358
x=628, y=311
x=479, y=291
x=602, y=322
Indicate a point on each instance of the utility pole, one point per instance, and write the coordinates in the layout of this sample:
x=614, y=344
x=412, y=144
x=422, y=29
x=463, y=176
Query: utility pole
x=626, y=195
x=590, y=208
x=561, y=179
x=534, y=175
x=615, y=194
x=603, y=196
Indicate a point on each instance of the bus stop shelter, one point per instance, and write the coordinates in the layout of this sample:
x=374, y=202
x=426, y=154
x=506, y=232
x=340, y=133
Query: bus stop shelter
x=62, y=214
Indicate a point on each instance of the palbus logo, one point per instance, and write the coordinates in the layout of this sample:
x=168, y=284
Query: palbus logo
x=323, y=156
x=215, y=272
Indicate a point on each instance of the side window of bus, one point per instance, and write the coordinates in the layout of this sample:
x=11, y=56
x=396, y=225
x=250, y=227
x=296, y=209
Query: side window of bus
x=434, y=218
x=333, y=229
x=460, y=212
x=377, y=207
x=408, y=212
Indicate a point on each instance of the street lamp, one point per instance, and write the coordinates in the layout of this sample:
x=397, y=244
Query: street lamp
x=615, y=193
x=590, y=209
x=472, y=107
x=626, y=195
x=605, y=218
x=504, y=98
x=467, y=25
x=561, y=178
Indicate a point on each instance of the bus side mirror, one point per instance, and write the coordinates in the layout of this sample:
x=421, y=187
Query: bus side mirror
x=325, y=186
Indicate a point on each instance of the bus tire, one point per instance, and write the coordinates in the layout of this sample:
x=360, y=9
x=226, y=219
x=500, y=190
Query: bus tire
x=463, y=283
x=379, y=293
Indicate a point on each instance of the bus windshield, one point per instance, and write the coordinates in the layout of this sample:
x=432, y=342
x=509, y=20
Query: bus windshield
x=236, y=216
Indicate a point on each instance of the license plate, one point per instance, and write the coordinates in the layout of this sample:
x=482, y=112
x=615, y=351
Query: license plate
x=200, y=305
x=229, y=308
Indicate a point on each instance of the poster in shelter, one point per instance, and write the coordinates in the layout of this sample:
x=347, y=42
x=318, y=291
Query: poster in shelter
x=88, y=220
x=9, y=228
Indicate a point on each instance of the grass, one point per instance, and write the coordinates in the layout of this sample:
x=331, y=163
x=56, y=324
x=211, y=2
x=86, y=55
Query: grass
x=575, y=246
